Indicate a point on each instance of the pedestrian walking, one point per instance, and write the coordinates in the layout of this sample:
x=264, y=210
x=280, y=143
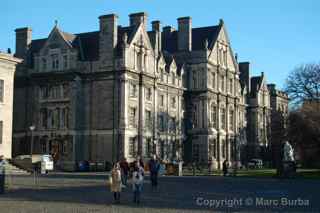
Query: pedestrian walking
x=137, y=182
x=2, y=174
x=225, y=167
x=115, y=182
x=124, y=165
x=140, y=160
x=154, y=168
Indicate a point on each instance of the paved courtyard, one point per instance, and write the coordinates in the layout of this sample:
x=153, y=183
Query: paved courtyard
x=87, y=193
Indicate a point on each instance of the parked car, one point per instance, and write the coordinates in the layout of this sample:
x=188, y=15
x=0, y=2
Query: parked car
x=255, y=163
x=38, y=162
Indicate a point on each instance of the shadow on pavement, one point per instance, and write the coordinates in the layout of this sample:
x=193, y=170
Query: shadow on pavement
x=176, y=193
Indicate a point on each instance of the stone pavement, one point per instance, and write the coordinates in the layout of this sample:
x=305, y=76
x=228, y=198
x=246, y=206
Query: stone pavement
x=87, y=193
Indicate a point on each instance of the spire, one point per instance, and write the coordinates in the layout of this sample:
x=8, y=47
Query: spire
x=56, y=23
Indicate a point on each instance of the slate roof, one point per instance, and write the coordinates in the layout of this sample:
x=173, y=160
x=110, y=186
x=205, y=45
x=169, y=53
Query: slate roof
x=199, y=36
x=88, y=43
x=255, y=84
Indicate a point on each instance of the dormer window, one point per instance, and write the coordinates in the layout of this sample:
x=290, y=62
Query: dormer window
x=55, y=61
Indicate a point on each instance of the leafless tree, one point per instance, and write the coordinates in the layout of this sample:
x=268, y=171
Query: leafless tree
x=303, y=84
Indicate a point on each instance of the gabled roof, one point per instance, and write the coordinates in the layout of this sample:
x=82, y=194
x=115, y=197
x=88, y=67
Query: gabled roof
x=86, y=43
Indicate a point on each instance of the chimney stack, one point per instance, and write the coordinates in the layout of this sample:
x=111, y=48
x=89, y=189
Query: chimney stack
x=156, y=28
x=108, y=38
x=23, y=41
x=244, y=68
x=185, y=34
x=138, y=18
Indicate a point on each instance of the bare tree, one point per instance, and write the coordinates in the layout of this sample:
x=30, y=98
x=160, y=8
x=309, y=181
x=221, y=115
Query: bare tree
x=303, y=84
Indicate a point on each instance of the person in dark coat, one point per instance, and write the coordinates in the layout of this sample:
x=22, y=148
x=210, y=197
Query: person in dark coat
x=124, y=165
x=2, y=174
x=154, y=168
x=225, y=167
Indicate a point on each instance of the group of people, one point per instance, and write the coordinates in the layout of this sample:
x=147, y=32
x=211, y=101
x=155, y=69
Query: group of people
x=122, y=171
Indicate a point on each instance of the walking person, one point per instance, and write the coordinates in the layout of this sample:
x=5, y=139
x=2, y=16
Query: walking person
x=115, y=182
x=225, y=167
x=2, y=174
x=154, y=168
x=137, y=182
x=124, y=165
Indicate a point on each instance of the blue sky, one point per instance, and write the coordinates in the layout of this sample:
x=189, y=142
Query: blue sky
x=274, y=35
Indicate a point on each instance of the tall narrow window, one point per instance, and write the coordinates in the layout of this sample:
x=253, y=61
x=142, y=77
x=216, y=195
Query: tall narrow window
x=161, y=100
x=225, y=59
x=195, y=114
x=145, y=62
x=149, y=94
x=148, y=121
x=133, y=90
x=148, y=147
x=213, y=79
x=139, y=61
x=65, y=62
x=222, y=84
x=55, y=61
x=44, y=64
x=173, y=102
x=194, y=81
x=223, y=118
x=161, y=122
x=132, y=147
x=230, y=86
x=213, y=115
x=132, y=116
x=231, y=118
x=1, y=91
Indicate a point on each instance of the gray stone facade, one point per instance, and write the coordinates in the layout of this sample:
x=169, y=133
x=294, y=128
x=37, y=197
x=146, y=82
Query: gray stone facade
x=125, y=91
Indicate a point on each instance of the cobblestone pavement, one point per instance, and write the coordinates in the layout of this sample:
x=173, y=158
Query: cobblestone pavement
x=88, y=193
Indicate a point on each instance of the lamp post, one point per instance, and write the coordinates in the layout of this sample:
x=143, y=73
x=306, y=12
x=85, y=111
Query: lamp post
x=32, y=128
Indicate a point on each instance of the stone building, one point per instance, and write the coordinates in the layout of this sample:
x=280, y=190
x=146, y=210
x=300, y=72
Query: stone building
x=125, y=91
x=267, y=109
x=7, y=69
x=279, y=102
